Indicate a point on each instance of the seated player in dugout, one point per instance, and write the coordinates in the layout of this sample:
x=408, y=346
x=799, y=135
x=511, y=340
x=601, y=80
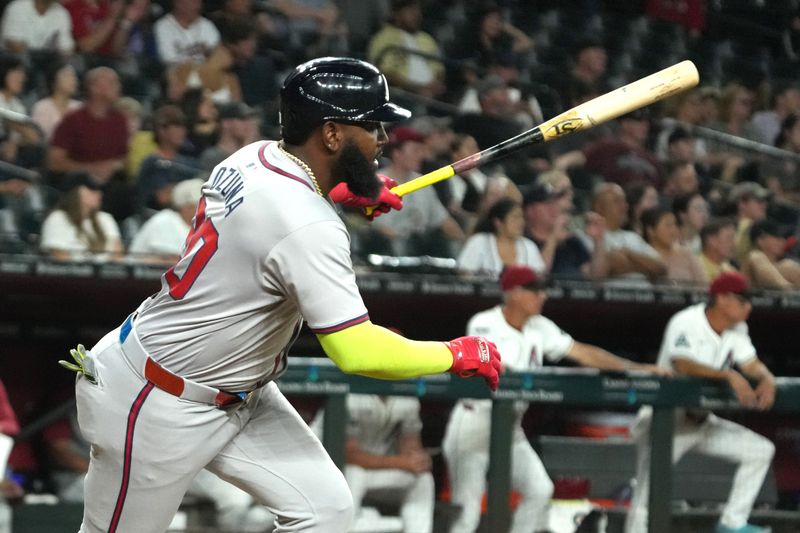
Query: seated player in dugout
x=187, y=381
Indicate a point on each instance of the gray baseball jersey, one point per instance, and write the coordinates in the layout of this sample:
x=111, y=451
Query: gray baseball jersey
x=229, y=310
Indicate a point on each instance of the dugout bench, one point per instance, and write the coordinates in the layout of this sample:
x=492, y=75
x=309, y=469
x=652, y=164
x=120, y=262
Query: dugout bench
x=568, y=386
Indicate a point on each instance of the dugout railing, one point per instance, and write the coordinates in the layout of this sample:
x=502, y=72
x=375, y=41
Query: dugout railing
x=566, y=386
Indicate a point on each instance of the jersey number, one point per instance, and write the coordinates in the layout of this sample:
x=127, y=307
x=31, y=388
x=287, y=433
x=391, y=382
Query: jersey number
x=203, y=229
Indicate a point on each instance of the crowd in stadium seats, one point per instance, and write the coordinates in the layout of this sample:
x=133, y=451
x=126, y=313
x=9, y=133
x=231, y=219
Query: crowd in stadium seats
x=126, y=99
x=113, y=113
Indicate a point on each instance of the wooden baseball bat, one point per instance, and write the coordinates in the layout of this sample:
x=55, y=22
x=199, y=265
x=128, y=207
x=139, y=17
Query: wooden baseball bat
x=611, y=105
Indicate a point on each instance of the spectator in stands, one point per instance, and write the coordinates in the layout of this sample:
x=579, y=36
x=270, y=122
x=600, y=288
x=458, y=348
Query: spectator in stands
x=640, y=196
x=423, y=227
x=101, y=27
x=706, y=340
x=629, y=256
x=662, y=233
x=717, y=239
x=788, y=137
x=62, y=84
x=680, y=179
x=363, y=19
x=9, y=489
x=623, y=158
x=76, y=229
x=214, y=75
x=162, y=170
x=750, y=200
x=688, y=13
x=564, y=253
x=736, y=110
x=526, y=339
x=202, y=121
x=589, y=64
x=501, y=118
x=384, y=452
x=489, y=39
x=497, y=242
x=313, y=26
x=562, y=185
x=782, y=176
x=765, y=265
x=161, y=238
x=785, y=101
x=141, y=142
x=37, y=26
x=256, y=74
x=184, y=36
x=94, y=137
x=233, y=133
x=470, y=194
x=686, y=108
x=711, y=105
x=691, y=212
x=406, y=69
x=16, y=134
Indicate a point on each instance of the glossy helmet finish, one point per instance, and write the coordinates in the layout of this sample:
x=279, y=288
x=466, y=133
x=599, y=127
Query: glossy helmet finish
x=340, y=89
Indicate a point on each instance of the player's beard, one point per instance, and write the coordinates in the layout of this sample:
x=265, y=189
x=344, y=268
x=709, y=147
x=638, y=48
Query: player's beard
x=356, y=171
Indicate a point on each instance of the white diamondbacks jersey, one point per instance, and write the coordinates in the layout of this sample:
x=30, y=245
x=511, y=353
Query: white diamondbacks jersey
x=264, y=253
x=521, y=350
x=689, y=335
x=377, y=422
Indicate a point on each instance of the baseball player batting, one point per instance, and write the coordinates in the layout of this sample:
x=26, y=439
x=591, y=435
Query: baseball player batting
x=187, y=381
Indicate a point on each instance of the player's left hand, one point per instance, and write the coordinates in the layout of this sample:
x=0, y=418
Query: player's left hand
x=765, y=394
x=383, y=203
x=84, y=363
x=476, y=356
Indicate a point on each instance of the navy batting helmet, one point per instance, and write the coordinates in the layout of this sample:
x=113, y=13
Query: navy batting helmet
x=340, y=89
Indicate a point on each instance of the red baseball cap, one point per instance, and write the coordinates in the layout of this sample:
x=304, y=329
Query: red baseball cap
x=520, y=276
x=730, y=282
x=402, y=134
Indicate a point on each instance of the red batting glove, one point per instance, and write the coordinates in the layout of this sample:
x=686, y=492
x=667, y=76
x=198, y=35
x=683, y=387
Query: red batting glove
x=383, y=203
x=475, y=356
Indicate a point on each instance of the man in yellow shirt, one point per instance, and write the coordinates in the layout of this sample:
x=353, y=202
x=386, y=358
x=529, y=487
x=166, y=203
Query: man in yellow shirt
x=392, y=51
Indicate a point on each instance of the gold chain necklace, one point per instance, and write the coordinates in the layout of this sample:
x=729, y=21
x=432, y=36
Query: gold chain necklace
x=300, y=163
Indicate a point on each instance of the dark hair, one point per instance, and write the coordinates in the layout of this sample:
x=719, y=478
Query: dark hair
x=787, y=124
x=680, y=204
x=52, y=73
x=499, y=211
x=7, y=64
x=713, y=227
x=634, y=192
x=237, y=29
x=70, y=203
x=650, y=219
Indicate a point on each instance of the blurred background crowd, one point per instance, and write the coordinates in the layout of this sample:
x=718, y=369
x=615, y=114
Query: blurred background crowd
x=112, y=112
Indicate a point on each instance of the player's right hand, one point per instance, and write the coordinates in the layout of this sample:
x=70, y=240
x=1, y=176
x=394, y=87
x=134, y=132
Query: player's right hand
x=385, y=201
x=475, y=356
x=742, y=389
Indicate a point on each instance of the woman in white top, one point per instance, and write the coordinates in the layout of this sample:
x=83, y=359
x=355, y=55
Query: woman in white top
x=77, y=229
x=62, y=84
x=691, y=211
x=498, y=242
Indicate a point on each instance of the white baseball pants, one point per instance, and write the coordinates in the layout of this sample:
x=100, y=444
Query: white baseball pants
x=466, y=450
x=416, y=508
x=148, y=446
x=716, y=437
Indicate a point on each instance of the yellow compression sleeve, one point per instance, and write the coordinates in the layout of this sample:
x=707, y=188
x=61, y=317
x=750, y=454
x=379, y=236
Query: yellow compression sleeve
x=376, y=352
